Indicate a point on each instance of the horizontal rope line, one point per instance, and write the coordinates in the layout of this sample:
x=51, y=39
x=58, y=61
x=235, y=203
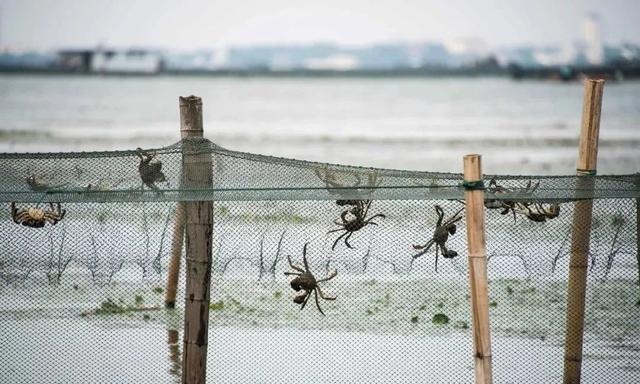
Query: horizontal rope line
x=586, y=172
x=473, y=185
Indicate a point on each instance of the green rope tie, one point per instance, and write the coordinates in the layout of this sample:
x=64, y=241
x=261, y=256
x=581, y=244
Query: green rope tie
x=473, y=185
x=586, y=172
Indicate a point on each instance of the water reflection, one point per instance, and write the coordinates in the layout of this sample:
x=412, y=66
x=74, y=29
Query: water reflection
x=175, y=362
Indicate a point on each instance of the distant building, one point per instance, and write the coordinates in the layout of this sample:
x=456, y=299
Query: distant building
x=337, y=62
x=134, y=61
x=593, y=39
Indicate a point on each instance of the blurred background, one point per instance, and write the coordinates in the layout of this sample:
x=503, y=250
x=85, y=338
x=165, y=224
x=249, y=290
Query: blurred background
x=394, y=84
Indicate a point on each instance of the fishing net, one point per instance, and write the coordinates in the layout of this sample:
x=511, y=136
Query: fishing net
x=83, y=273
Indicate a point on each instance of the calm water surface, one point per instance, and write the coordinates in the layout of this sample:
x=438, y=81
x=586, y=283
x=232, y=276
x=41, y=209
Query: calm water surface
x=421, y=124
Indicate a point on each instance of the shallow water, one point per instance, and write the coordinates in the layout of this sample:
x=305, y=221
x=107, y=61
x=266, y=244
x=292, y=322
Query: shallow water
x=421, y=124
x=258, y=336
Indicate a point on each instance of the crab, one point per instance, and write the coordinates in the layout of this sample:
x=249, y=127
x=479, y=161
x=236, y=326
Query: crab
x=36, y=217
x=150, y=171
x=334, y=187
x=534, y=211
x=440, y=236
x=359, y=210
x=306, y=282
x=37, y=184
x=41, y=185
x=507, y=205
x=538, y=212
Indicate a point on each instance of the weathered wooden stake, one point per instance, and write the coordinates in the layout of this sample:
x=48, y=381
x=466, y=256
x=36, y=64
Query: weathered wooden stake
x=173, y=275
x=474, y=199
x=638, y=237
x=581, y=232
x=637, y=184
x=196, y=174
x=174, y=351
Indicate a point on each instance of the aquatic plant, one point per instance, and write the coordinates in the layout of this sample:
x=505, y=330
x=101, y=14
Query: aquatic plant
x=440, y=319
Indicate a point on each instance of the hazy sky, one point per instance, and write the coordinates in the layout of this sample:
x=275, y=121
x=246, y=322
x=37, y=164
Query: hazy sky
x=43, y=24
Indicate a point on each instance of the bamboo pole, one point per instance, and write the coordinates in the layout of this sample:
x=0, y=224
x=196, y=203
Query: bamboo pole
x=581, y=232
x=197, y=174
x=173, y=275
x=474, y=201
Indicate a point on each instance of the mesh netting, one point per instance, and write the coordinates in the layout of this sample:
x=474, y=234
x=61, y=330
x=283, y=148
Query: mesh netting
x=82, y=300
x=116, y=176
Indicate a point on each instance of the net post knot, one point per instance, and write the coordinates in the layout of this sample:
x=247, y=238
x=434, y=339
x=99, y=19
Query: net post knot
x=477, y=185
x=586, y=172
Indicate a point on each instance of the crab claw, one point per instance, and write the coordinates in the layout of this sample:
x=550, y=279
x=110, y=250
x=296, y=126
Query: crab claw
x=451, y=229
x=300, y=298
x=450, y=254
x=295, y=285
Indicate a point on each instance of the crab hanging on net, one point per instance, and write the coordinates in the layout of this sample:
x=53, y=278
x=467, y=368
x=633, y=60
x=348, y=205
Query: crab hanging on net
x=440, y=236
x=306, y=282
x=534, y=211
x=506, y=206
x=345, y=191
x=358, y=220
x=36, y=217
x=150, y=170
x=538, y=212
x=41, y=185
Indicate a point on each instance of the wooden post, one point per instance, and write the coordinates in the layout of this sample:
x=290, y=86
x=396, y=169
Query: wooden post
x=581, y=231
x=174, y=352
x=173, y=275
x=474, y=200
x=187, y=129
x=638, y=236
x=637, y=184
x=196, y=174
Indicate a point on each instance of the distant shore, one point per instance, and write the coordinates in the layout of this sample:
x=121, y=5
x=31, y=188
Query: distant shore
x=266, y=72
x=554, y=73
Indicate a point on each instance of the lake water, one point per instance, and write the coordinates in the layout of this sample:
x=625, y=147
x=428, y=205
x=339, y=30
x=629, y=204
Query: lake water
x=419, y=124
x=381, y=328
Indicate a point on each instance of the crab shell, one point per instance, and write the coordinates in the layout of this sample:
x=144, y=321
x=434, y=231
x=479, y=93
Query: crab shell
x=35, y=213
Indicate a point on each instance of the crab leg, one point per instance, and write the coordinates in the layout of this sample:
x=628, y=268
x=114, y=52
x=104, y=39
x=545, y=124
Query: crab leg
x=455, y=217
x=440, y=214
x=425, y=248
x=306, y=299
x=374, y=216
x=14, y=213
x=336, y=230
x=346, y=240
x=294, y=267
x=304, y=256
x=437, y=248
x=315, y=291
x=338, y=239
x=331, y=276
x=323, y=296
